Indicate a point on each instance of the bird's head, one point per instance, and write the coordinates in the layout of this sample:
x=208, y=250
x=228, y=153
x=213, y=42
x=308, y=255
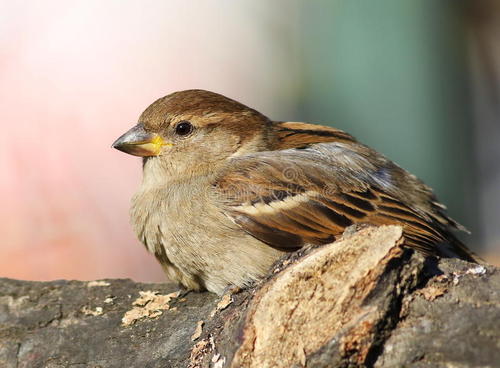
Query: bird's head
x=194, y=130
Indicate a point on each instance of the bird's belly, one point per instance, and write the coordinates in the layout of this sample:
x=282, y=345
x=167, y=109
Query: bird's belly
x=215, y=257
x=200, y=252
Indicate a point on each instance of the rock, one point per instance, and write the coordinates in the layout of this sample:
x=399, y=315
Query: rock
x=361, y=301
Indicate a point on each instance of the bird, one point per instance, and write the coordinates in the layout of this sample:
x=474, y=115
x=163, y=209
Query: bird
x=226, y=191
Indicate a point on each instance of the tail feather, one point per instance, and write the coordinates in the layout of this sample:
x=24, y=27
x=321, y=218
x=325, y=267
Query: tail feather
x=454, y=248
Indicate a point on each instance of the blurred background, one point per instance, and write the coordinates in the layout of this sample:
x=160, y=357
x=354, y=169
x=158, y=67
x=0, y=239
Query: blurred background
x=418, y=80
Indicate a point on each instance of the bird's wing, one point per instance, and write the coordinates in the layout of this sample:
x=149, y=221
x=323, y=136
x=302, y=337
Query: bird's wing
x=294, y=197
x=301, y=135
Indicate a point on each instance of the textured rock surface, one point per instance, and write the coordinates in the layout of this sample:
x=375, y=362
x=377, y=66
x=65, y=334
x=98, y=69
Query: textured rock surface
x=361, y=301
x=454, y=321
x=69, y=324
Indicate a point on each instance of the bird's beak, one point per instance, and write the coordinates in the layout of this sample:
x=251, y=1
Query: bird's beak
x=138, y=142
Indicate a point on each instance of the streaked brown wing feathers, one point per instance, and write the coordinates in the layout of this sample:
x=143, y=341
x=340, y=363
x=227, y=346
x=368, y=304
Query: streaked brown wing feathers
x=288, y=198
x=317, y=218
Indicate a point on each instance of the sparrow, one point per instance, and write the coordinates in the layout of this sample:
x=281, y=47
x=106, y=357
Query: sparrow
x=226, y=191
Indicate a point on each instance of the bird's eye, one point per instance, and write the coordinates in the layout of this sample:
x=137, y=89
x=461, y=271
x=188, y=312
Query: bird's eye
x=183, y=128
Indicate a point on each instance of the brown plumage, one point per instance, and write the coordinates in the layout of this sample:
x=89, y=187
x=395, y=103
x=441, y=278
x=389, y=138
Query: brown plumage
x=226, y=191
